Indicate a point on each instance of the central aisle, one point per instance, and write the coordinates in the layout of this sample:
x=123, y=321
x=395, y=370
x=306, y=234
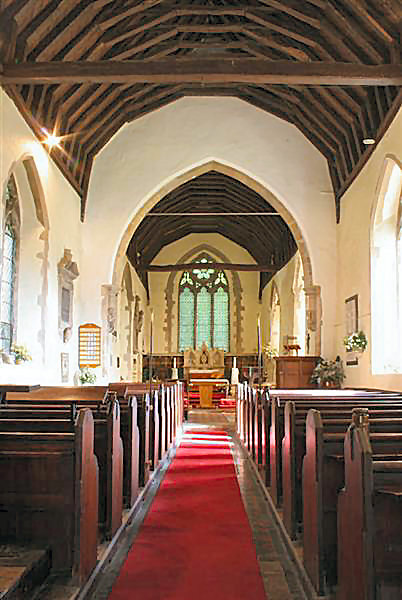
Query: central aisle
x=196, y=539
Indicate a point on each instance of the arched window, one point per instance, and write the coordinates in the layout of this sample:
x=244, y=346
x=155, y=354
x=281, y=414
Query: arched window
x=9, y=240
x=386, y=275
x=204, y=308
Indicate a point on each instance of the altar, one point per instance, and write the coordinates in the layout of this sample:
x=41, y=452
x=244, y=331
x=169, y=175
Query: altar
x=205, y=381
x=204, y=372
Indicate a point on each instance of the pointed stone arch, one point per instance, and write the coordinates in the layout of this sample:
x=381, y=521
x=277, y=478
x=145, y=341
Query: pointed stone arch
x=313, y=292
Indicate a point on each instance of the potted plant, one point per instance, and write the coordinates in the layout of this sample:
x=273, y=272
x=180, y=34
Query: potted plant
x=269, y=354
x=355, y=342
x=87, y=376
x=21, y=353
x=328, y=373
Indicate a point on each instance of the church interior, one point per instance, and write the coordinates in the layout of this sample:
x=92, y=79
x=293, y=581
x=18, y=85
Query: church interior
x=200, y=292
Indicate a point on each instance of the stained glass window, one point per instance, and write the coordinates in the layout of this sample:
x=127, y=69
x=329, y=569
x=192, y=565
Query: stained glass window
x=221, y=322
x=9, y=242
x=203, y=317
x=186, y=302
x=204, y=308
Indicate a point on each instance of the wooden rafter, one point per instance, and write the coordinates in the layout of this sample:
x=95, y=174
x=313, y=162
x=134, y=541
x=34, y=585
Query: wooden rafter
x=354, y=46
x=254, y=71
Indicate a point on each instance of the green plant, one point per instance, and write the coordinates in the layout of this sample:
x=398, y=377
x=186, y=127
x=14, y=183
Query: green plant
x=355, y=341
x=87, y=375
x=328, y=372
x=21, y=353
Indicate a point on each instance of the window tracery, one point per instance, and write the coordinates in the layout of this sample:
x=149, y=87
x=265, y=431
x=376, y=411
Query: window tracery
x=204, y=307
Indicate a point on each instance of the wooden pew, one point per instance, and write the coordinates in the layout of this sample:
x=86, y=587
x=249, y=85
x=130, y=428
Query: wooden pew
x=108, y=444
x=337, y=399
x=294, y=447
x=125, y=390
x=323, y=477
x=95, y=393
x=49, y=494
x=369, y=523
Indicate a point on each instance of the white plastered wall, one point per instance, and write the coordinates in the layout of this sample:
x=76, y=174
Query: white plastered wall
x=141, y=159
x=155, y=149
x=17, y=142
x=353, y=250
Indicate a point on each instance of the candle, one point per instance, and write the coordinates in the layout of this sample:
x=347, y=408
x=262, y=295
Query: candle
x=234, y=362
x=174, y=362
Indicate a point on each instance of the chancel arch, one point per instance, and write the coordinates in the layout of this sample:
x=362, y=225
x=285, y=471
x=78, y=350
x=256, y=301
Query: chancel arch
x=313, y=291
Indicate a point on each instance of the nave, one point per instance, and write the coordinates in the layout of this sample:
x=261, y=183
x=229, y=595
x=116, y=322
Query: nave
x=219, y=539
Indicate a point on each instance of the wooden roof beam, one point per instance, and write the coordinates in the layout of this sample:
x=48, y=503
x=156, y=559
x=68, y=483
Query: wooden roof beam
x=167, y=71
x=213, y=265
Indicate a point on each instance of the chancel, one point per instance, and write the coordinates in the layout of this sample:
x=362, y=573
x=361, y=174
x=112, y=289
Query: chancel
x=204, y=369
x=200, y=243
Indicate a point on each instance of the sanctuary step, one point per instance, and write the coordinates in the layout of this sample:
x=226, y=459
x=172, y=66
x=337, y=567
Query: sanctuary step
x=22, y=570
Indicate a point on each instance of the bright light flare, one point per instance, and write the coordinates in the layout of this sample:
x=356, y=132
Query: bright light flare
x=51, y=140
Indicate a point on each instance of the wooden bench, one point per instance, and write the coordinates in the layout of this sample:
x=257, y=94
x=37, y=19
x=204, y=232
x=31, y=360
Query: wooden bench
x=324, y=401
x=49, y=493
x=294, y=447
x=126, y=390
x=323, y=477
x=108, y=444
x=369, y=523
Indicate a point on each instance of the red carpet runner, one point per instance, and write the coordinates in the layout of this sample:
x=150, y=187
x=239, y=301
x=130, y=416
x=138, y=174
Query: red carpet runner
x=195, y=542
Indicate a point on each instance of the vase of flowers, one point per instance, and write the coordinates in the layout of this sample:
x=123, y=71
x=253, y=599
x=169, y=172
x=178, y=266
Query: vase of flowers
x=21, y=353
x=328, y=373
x=355, y=342
x=87, y=376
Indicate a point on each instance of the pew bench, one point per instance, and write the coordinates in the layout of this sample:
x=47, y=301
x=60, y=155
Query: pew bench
x=107, y=446
x=369, y=523
x=49, y=494
x=294, y=449
x=323, y=477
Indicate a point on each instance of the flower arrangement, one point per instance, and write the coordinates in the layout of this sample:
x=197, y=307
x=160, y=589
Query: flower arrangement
x=270, y=352
x=355, y=341
x=21, y=353
x=328, y=372
x=87, y=375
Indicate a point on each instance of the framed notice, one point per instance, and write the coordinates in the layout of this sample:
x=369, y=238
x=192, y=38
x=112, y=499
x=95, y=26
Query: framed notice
x=89, y=350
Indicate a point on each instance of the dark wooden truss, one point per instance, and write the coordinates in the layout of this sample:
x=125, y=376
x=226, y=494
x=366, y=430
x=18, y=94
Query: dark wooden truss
x=330, y=67
x=265, y=236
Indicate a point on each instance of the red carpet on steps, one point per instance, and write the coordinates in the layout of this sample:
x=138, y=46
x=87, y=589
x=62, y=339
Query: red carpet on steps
x=195, y=542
